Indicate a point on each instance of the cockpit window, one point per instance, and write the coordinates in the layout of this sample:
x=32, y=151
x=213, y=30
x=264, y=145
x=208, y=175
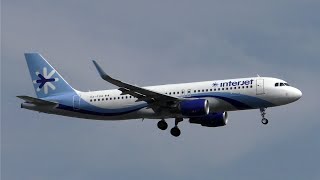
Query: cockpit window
x=281, y=84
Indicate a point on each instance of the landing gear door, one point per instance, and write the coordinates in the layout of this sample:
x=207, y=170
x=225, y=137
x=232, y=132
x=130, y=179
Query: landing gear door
x=260, y=86
x=76, y=102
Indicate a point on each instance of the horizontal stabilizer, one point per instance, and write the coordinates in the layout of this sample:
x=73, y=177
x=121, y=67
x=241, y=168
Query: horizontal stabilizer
x=37, y=101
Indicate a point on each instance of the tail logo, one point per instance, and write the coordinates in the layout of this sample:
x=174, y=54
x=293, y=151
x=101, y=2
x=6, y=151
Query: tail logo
x=45, y=80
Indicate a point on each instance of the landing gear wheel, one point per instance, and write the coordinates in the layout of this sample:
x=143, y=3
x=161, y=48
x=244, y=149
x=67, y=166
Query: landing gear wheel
x=264, y=121
x=175, y=131
x=162, y=125
x=263, y=113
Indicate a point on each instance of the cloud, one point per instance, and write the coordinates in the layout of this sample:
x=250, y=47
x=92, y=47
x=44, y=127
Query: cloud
x=149, y=43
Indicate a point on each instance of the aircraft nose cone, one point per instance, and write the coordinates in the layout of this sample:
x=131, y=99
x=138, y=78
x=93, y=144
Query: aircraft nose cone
x=296, y=94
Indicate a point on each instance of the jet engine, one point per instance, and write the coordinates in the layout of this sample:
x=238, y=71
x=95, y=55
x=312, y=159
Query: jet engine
x=192, y=108
x=211, y=120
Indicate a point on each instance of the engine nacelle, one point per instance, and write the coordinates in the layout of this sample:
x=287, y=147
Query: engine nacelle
x=192, y=108
x=211, y=120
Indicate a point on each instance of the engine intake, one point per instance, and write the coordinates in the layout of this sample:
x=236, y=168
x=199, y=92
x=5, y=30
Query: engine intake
x=194, y=108
x=211, y=120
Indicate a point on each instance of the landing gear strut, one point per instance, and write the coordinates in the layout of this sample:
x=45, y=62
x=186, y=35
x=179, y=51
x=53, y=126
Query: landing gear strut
x=263, y=113
x=175, y=131
x=162, y=125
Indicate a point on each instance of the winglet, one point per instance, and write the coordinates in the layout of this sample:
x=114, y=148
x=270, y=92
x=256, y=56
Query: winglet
x=101, y=72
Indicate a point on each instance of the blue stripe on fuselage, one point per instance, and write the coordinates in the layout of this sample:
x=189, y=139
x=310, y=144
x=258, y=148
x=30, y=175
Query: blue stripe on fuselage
x=239, y=101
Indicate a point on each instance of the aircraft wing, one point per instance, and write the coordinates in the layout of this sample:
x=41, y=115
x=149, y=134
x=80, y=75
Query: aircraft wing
x=37, y=101
x=142, y=94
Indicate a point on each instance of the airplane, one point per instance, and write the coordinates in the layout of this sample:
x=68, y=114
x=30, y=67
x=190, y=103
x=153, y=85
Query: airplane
x=205, y=103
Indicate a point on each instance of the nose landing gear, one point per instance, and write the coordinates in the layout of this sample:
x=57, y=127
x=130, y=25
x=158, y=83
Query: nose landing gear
x=264, y=121
x=263, y=113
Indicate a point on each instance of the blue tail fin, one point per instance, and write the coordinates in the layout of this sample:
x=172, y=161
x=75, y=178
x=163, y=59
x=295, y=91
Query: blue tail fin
x=46, y=80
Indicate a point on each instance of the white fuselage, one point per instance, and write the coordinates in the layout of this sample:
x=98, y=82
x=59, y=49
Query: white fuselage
x=223, y=95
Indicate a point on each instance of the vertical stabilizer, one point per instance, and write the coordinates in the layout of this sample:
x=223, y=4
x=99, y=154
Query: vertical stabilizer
x=46, y=80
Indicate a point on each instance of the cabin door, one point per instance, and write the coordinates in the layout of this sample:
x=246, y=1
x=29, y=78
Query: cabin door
x=260, y=86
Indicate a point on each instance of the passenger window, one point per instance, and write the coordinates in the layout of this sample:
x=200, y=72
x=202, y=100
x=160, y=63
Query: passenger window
x=227, y=88
x=90, y=100
x=206, y=90
x=215, y=89
x=281, y=84
x=276, y=85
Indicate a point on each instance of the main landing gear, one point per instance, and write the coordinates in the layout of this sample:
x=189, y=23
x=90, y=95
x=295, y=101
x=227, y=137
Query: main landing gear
x=162, y=125
x=263, y=113
x=175, y=131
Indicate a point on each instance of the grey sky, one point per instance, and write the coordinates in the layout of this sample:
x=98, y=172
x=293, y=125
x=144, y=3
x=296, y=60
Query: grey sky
x=159, y=42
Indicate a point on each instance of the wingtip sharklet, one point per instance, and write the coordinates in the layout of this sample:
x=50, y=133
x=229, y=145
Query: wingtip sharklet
x=100, y=71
